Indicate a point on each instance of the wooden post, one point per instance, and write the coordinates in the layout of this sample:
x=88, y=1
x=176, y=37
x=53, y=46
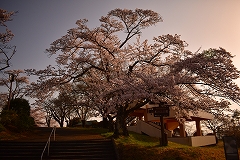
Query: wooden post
x=163, y=141
x=182, y=130
x=198, y=128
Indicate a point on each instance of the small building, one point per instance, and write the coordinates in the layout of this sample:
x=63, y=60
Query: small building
x=148, y=124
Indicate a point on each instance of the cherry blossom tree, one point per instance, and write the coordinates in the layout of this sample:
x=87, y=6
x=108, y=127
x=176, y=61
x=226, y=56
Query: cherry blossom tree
x=123, y=74
x=6, y=51
x=103, y=40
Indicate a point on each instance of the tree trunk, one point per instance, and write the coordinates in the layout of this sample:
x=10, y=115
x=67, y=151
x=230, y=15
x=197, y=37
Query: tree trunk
x=122, y=113
x=215, y=134
x=83, y=123
x=110, y=123
x=61, y=124
x=105, y=122
x=120, y=125
x=48, y=121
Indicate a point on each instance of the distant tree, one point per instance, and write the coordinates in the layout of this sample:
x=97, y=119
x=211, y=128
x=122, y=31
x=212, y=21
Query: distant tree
x=6, y=51
x=221, y=119
x=123, y=73
x=233, y=128
x=71, y=97
x=42, y=112
x=40, y=117
x=235, y=119
x=83, y=105
x=60, y=107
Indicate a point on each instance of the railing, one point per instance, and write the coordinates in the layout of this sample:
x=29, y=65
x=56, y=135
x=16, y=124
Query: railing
x=149, y=128
x=48, y=141
x=169, y=133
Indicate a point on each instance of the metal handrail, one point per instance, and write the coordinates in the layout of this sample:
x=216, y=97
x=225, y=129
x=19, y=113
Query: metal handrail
x=48, y=141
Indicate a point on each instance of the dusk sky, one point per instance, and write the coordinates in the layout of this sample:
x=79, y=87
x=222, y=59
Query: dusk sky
x=201, y=23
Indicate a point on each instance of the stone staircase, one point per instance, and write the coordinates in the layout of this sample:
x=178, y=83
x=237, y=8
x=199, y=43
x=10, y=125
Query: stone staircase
x=11, y=150
x=100, y=149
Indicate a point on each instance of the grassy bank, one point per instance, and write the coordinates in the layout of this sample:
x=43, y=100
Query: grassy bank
x=142, y=147
x=42, y=134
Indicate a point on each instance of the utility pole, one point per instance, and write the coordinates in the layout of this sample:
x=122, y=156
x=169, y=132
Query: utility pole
x=11, y=78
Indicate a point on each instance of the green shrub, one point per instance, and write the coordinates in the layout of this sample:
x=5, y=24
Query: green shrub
x=20, y=106
x=25, y=123
x=234, y=131
x=14, y=122
x=8, y=117
x=73, y=122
